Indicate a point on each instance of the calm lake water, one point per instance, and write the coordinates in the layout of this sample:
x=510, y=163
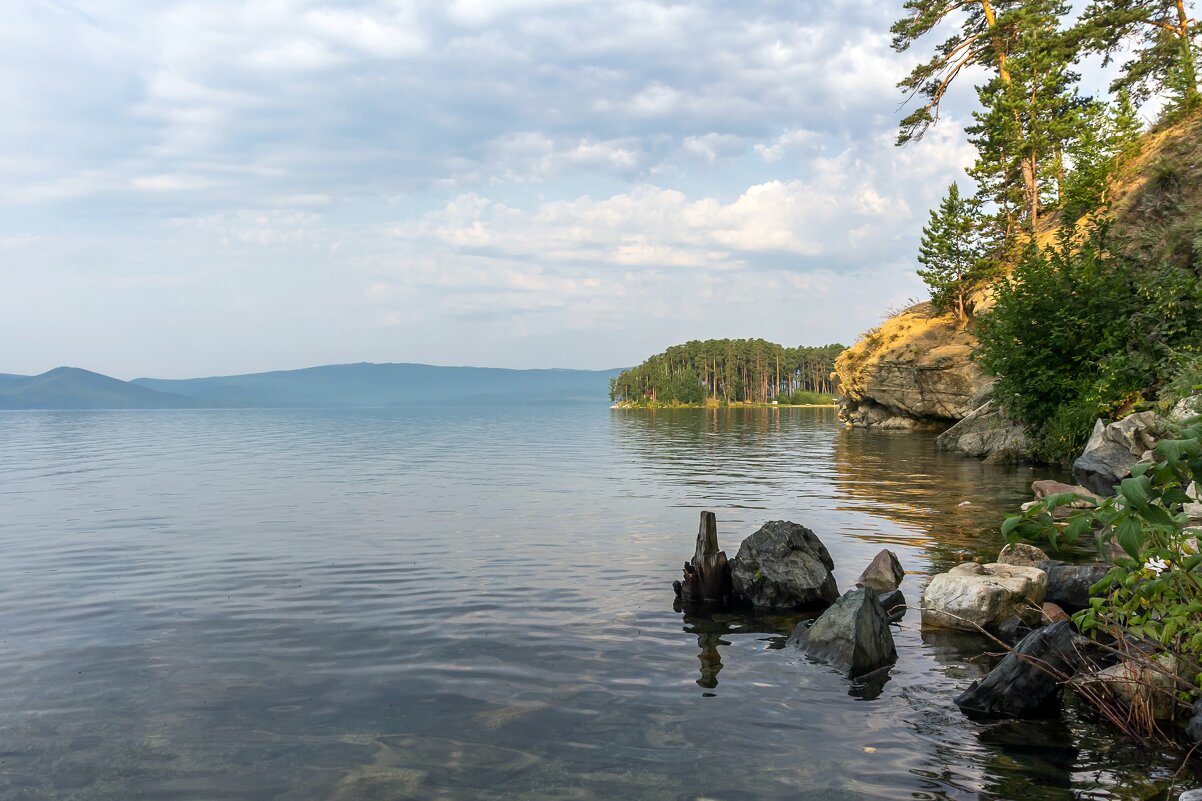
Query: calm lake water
x=476, y=604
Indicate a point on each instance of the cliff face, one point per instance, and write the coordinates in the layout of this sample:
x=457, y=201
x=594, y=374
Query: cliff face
x=914, y=371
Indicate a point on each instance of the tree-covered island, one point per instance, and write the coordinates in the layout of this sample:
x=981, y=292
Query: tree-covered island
x=724, y=372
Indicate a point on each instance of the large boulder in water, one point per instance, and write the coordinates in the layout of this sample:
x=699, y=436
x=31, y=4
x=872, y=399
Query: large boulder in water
x=853, y=635
x=784, y=566
x=1114, y=449
x=1025, y=683
x=973, y=596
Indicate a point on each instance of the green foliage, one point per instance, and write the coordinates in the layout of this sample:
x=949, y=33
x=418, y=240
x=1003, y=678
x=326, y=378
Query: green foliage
x=1106, y=138
x=1166, y=60
x=1154, y=592
x=1184, y=381
x=953, y=253
x=1079, y=332
x=729, y=370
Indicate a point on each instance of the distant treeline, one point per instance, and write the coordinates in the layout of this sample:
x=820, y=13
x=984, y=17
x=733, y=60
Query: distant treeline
x=730, y=371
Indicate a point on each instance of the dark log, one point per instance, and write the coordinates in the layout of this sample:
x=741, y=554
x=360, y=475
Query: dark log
x=707, y=577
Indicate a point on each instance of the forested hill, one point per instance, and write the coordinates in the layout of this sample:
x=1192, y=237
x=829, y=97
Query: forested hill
x=730, y=371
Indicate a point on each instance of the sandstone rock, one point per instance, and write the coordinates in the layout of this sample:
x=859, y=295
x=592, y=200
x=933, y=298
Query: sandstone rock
x=1051, y=613
x=1022, y=554
x=915, y=370
x=1046, y=487
x=1114, y=449
x=853, y=635
x=894, y=604
x=972, y=596
x=1025, y=683
x=883, y=574
x=1068, y=585
x=987, y=433
x=784, y=566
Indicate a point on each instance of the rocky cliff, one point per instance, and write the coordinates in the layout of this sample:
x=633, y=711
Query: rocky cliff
x=914, y=371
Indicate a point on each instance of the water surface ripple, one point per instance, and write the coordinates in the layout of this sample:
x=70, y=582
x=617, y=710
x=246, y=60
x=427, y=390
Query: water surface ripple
x=476, y=604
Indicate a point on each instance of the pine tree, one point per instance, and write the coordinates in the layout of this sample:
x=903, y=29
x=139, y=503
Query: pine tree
x=1170, y=48
x=953, y=254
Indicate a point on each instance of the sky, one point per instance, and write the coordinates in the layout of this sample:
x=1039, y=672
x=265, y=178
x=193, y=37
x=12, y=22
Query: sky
x=218, y=187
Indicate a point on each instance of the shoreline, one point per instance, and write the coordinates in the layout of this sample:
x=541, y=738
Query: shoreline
x=726, y=406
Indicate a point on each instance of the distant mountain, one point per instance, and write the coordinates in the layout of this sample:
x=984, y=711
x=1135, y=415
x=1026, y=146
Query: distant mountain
x=72, y=388
x=379, y=385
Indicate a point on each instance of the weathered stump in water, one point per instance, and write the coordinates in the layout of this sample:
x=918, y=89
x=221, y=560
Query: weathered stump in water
x=707, y=577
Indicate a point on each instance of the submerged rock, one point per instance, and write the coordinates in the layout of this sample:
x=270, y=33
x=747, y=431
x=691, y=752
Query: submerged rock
x=1194, y=729
x=784, y=566
x=1025, y=683
x=853, y=635
x=883, y=574
x=971, y=596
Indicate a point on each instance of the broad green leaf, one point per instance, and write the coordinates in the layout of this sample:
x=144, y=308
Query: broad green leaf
x=1130, y=536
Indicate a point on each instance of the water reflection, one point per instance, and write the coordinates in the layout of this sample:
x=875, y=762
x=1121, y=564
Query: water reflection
x=475, y=603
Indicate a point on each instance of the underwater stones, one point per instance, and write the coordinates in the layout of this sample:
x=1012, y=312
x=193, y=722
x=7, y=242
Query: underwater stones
x=1025, y=683
x=784, y=566
x=972, y=596
x=852, y=635
x=883, y=574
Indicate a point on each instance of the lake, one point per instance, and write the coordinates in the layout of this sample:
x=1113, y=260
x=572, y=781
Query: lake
x=476, y=603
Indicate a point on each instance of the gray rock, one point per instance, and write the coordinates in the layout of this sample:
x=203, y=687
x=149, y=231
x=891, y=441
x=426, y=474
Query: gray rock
x=1025, y=683
x=1190, y=795
x=1021, y=554
x=853, y=635
x=1194, y=729
x=1114, y=449
x=1068, y=585
x=784, y=566
x=883, y=574
x=1012, y=630
x=1187, y=408
x=986, y=432
x=971, y=597
x=1144, y=686
x=894, y=604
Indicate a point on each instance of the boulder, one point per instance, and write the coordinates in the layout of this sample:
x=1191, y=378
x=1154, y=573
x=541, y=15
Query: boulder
x=1145, y=689
x=1193, y=510
x=784, y=566
x=1186, y=408
x=1046, y=487
x=894, y=604
x=1194, y=729
x=972, y=596
x=1068, y=585
x=883, y=574
x=1114, y=449
x=1025, y=683
x=1012, y=630
x=915, y=371
x=987, y=433
x=1051, y=613
x=852, y=635
x=1021, y=554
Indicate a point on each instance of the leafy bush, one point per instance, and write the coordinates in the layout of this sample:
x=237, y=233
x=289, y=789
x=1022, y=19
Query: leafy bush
x=1153, y=594
x=1080, y=332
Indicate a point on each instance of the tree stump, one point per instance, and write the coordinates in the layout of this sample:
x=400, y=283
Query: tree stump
x=707, y=577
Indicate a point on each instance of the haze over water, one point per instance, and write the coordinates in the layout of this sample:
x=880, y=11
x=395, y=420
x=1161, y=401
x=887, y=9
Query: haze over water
x=476, y=603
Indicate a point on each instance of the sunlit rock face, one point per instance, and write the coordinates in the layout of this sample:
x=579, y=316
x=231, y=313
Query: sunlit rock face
x=914, y=371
